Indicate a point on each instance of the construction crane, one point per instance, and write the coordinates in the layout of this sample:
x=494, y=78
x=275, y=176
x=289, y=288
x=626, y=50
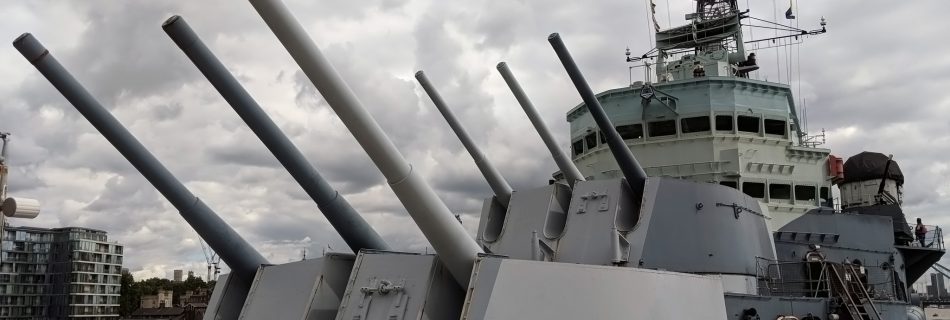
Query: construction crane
x=212, y=259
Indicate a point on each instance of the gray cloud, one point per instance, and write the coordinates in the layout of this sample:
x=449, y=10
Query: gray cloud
x=872, y=85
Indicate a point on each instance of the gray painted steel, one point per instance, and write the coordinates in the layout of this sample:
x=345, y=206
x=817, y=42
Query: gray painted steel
x=303, y=290
x=775, y=307
x=564, y=163
x=701, y=228
x=846, y=238
x=628, y=164
x=529, y=290
x=532, y=225
x=400, y=286
x=233, y=249
x=498, y=183
x=600, y=214
x=357, y=233
x=226, y=299
x=800, y=307
x=437, y=223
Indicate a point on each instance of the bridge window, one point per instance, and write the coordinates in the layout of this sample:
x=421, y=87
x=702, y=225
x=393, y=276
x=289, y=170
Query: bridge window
x=780, y=191
x=724, y=123
x=754, y=189
x=747, y=124
x=591, y=140
x=731, y=184
x=805, y=193
x=630, y=131
x=662, y=128
x=824, y=194
x=578, y=147
x=603, y=137
x=773, y=126
x=695, y=124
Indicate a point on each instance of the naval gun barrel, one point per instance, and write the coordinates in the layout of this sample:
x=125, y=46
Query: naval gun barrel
x=498, y=183
x=357, y=233
x=629, y=166
x=564, y=163
x=455, y=248
x=233, y=249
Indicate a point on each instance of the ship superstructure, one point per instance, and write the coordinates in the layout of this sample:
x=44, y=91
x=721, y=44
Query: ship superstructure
x=613, y=239
x=704, y=119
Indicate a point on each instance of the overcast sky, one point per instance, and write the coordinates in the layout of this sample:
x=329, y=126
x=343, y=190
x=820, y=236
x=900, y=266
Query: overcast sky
x=877, y=81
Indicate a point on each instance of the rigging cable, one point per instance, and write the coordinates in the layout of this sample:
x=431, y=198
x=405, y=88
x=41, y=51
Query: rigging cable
x=752, y=36
x=650, y=28
x=799, y=66
x=779, y=24
x=772, y=28
x=778, y=67
x=788, y=61
x=669, y=20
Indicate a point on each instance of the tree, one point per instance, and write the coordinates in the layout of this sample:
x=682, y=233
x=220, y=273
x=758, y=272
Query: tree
x=132, y=291
x=129, y=296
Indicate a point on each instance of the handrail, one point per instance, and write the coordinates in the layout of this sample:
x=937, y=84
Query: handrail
x=809, y=279
x=933, y=238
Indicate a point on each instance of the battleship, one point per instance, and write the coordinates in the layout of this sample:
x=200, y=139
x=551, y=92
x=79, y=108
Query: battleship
x=695, y=196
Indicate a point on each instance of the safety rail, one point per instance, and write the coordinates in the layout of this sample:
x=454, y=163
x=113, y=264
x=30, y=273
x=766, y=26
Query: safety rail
x=933, y=238
x=813, y=279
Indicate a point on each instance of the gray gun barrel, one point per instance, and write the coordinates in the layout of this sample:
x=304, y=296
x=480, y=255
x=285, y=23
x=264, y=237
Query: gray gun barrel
x=564, y=163
x=631, y=169
x=456, y=249
x=237, y=253
x=498, y=183
x=357, y=233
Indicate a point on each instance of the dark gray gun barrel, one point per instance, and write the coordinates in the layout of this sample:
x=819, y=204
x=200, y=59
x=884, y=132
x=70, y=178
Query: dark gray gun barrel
x=631, y=169
x=498, y=184
x=233, y=249
x=357, y=233
x=564, y=163
x=456, y=249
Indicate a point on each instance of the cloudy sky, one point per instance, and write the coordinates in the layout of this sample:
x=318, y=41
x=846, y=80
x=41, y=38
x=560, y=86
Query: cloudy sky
x=877, y=81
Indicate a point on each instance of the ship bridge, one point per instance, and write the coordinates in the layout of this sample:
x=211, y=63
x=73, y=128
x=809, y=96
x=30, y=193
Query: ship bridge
x=704, y=119
x=734, y=131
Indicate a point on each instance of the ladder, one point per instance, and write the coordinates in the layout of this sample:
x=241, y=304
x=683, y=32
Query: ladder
x=846, y=285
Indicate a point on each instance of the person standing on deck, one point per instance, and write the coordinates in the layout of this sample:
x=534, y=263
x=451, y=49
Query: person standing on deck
x=921, y=232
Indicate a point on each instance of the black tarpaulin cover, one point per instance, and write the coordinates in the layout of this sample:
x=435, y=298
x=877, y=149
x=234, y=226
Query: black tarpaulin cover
x=870, y=166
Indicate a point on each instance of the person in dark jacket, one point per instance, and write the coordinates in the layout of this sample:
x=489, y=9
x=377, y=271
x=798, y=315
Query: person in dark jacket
x=920, y=231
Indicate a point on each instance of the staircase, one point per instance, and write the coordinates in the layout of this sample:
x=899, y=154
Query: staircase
x=846, y=285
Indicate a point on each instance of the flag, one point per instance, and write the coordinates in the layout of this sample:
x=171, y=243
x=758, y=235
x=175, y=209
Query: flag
x=788, y=13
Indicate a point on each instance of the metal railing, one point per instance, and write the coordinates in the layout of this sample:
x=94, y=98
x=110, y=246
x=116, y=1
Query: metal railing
x=933, y=238
x=811, y=279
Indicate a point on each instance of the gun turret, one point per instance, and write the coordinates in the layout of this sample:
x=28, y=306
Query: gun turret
x=233, y=249
x=564, y=163
x=455, y=248
x=631, y=169
x=498, y=183
x=357, y=233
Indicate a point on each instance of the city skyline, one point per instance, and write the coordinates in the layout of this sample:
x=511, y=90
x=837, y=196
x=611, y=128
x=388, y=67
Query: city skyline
x=849, y=82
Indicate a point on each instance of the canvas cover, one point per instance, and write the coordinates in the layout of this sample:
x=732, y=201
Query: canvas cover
x=870, y=166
